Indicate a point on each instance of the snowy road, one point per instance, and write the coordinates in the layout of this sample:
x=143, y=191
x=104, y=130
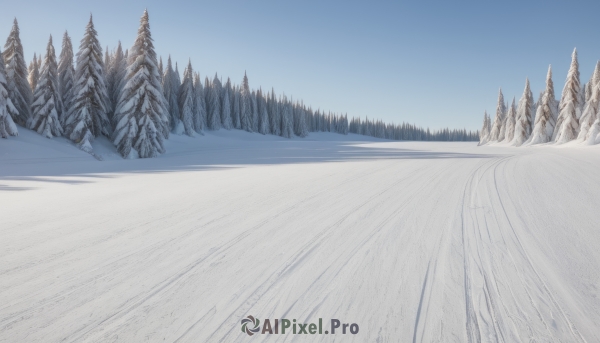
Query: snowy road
x=421, y=242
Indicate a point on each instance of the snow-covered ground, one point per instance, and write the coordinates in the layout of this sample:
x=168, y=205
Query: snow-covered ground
x=413, y=241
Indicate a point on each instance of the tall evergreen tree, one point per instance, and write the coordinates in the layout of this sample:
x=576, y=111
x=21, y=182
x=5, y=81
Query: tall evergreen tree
x=523, y=122
x=200, y=107
x=485, y=133
x=274, y=115
x=226, y=111
x=567, y=124
x=287, y=125
x=511, y=119
x=263, y=122
x=142, y=115
x=214, y=100
x=87, y=117
x=17, y=85
x=7, y=109
x=246, y=105
x=66, y=76
x=115, y=79
x=160, y=70
x=500, y=113
x=34, y=73
x=47, y=103
x=254, y=111
x=546, y=114
x=170, y=89
x=590, y=112
x=235, y=112
x=186, y=101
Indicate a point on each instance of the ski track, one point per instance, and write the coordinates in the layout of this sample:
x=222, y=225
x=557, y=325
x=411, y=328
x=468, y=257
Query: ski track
x=421, y=242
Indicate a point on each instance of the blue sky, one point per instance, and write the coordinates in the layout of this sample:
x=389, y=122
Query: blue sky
x=433, y=63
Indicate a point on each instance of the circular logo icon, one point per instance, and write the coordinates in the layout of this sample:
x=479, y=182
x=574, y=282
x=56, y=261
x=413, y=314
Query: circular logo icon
x=250, y=322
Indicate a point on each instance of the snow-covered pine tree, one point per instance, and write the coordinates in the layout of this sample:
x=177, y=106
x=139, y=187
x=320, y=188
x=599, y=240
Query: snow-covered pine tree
x=263, y=118
x=115, y=79
x=274, y=115
x=142, y=115
x=246, y=105
x=254, y=112
x=523, y=122
x=66, y=75
x=484, y=136
x=511, y=118
x=235, y=113
x=177, y=77
x=287, y=125
x=170, y=90
x=7, y=109
x=186, y=101
x=214, y=99
x=34, y=73
x=567, y=124
x=590, y=112
x=546, y=114
x=200, y=107
x=500, y=112
x=300, y=128
x=226, y=111
x=87, y=117
x=47, y=103
x=16, y=76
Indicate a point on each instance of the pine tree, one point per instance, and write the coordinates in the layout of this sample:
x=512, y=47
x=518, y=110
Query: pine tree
x=511, y=119
x=17, y=85
x=590, y=112
x=274, y=115
x=34, y=73
x=523, y=122
x=186, y=101
x=87, y=118
x=214, y=100
x=226, y=112
x=246, y=105
x=170, y=89
x=500, y=112
x=567, y=124
x=66, y=76
x=483, y=139
x=200, y=107
x=263, y=126
x=142, y=115
x=7, y=109
x=546, y=114
x=254, y=112
x=116, y=79
x=236, y=108
x=47, y=103
x=160, y=70
x=287, y=125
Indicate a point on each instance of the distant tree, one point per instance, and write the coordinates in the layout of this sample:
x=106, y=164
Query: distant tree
x=34, y=73
x=66, y=76
x=115, y=79
x=246, y=105
x=567, y=125
x=7, y=109
x=546, y=114
x=214, y=99
x=590, y=112
x=226, y=111
x=142, y=116
x=499, y=119
x=200, y=107
x=511, y=118
x=523, y=122
x=186, y=101
x=287, y=125
x=17, y=85
x=87, y=117
x=47, y=103
x=170, y=90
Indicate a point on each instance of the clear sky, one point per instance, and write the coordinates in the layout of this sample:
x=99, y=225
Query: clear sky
x=433, y=63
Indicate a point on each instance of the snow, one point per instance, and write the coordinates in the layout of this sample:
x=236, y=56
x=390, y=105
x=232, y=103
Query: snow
x=413, y=241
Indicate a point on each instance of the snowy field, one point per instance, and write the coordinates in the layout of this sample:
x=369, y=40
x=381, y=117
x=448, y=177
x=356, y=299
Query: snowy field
x=413, y=241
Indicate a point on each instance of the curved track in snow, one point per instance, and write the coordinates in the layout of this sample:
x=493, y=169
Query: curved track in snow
x=421, y=242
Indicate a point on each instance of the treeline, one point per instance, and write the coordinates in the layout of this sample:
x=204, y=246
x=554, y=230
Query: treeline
x=130, y=97
x=409, y=132
x=574, y=118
